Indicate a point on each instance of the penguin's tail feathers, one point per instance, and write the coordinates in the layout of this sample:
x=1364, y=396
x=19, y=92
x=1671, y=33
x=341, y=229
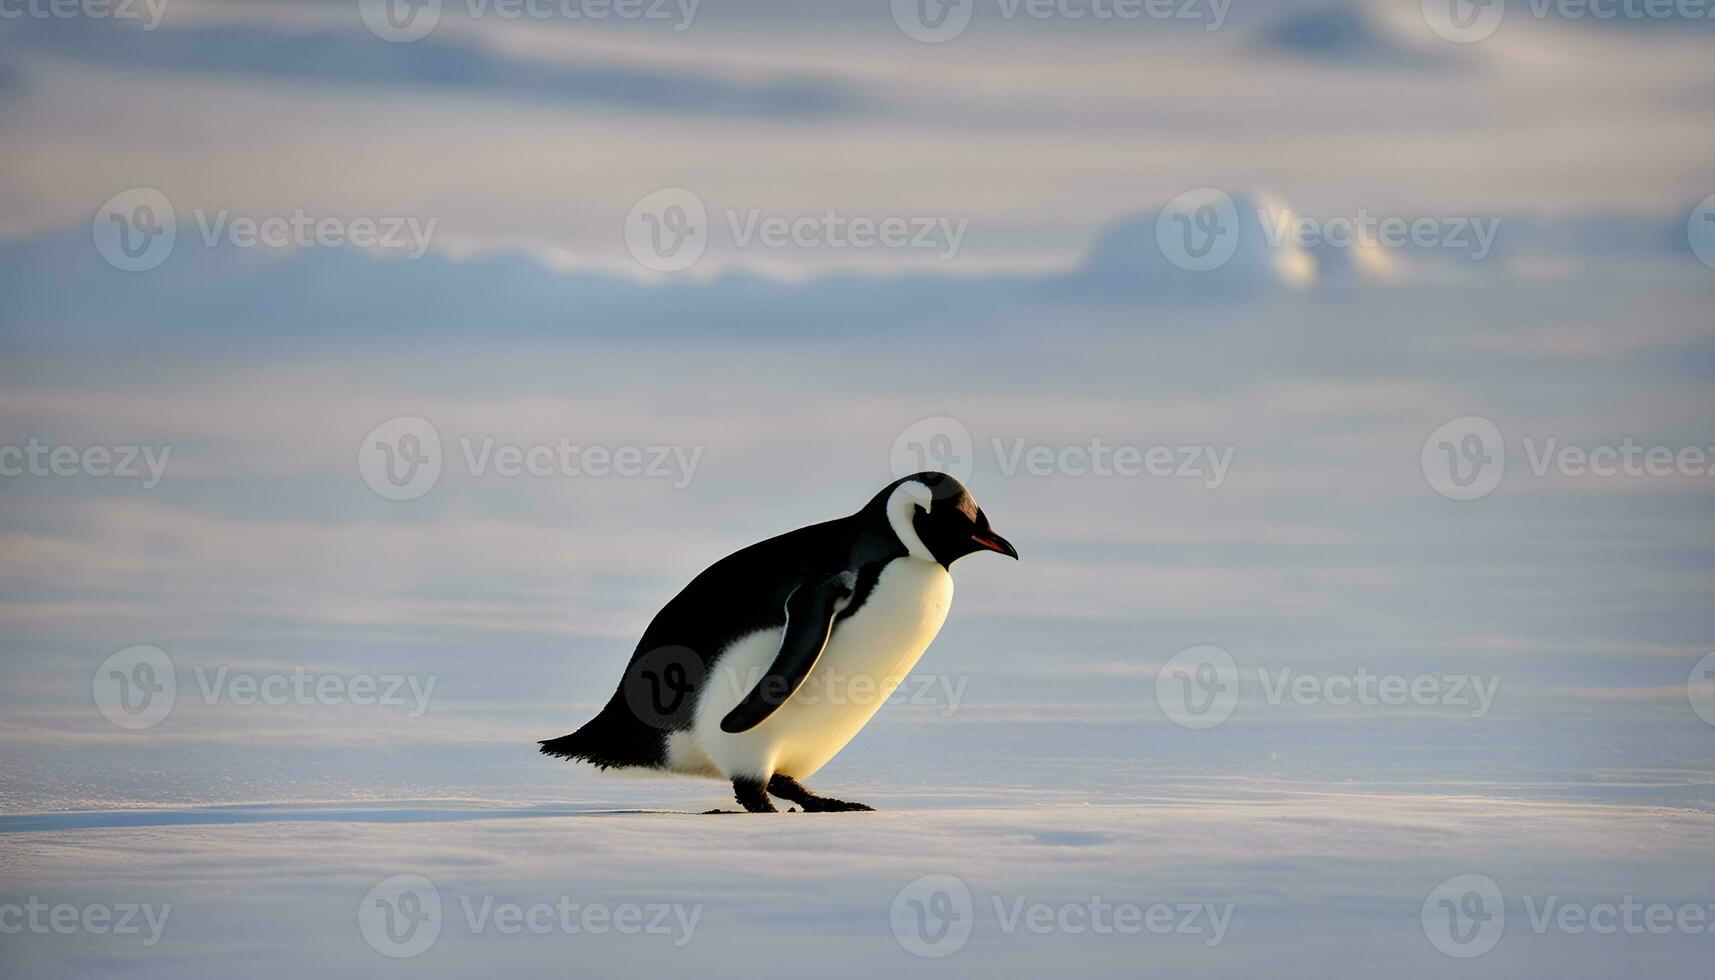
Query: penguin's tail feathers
x=613, y=739
x=566, y=747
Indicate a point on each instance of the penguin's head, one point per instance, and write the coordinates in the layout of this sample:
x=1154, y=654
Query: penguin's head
x=936, y=519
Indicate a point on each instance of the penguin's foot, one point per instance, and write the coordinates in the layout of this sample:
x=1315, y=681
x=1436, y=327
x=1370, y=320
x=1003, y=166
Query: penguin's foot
x=788, y=788
x=752, y=795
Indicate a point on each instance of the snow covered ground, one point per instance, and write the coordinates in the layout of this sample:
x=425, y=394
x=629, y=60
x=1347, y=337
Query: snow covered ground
x=1283, y=884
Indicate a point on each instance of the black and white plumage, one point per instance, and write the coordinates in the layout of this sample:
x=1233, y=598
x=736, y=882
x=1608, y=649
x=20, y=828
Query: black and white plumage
x=741, y=675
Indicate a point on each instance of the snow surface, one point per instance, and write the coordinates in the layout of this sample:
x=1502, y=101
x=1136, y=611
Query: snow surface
x=1319, y=884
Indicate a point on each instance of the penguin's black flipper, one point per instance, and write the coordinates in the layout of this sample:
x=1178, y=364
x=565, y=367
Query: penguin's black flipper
x=810, y=612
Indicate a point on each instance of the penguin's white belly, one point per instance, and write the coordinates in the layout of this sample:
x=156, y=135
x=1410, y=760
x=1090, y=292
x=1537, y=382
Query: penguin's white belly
x=867, y=657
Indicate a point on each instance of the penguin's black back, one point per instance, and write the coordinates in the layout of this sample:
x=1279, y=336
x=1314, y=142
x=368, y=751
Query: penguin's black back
x=742, y=593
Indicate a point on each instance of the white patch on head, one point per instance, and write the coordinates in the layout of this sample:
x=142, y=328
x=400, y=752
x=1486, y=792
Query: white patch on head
x=902, y=505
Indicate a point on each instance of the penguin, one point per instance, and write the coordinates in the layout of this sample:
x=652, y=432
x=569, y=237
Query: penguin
x=763, y=667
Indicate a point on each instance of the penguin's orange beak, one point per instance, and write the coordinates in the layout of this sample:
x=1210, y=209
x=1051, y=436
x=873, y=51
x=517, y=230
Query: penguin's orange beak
x=990, y=541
